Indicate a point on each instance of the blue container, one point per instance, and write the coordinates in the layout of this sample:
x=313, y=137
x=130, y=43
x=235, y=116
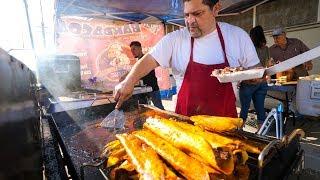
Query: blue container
x=164, y=93
x=168, y=93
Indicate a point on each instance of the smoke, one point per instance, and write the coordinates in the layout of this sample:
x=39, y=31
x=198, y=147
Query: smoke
x=60, y=74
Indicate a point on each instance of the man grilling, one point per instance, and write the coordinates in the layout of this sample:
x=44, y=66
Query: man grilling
x=193, y=53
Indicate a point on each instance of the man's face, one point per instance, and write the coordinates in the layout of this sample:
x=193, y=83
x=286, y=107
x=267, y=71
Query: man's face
x=280, y=40
x=136, y=51
x=199, y=18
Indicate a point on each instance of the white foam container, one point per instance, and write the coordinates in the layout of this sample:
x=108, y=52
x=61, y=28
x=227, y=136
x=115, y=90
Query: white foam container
x=241, y=75
x=308, y=97
x=294, y=61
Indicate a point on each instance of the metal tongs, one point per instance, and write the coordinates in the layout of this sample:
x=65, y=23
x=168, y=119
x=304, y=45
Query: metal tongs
x=114, y=120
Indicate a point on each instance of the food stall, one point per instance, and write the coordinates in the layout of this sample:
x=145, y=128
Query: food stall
x=83, y=141
x=75, y=145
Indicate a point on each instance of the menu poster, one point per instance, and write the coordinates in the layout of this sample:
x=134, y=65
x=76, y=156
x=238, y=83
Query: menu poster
x=103, y=48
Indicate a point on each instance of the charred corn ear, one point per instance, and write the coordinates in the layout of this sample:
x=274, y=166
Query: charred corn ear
x=238, y=143
x=190, y=142
x=127, y=166
x=232, y=143
x=111, y=147
x=169, y=174
x=185, y=165
x=145, y=160
x=119, y=152
x=112, y=144
x=115, y=153
x=204, y=163
x=216, y=123
x=215, y=140
x=125, y=170
x=134, y=177
x=250, y=148
x=242, y=172
x=183, y=140
x=112, y=161
x=241, y=156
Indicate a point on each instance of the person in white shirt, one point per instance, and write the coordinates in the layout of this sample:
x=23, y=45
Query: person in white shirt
x=193, y=53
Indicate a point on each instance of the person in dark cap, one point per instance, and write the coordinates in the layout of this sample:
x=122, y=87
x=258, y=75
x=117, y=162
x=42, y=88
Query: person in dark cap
x=285, y=48
x=193, y=53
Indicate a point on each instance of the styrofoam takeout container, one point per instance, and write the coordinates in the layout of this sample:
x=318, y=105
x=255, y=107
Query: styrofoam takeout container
x=294, y=61
x=240, y=75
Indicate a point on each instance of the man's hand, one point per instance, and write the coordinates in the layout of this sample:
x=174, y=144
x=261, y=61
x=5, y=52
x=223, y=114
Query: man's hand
x=122, y=92
x=124, y=89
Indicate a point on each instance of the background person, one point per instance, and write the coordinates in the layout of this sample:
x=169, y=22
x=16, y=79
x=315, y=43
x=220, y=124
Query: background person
x=285, y=48
x=251, y=90
x=150, y=79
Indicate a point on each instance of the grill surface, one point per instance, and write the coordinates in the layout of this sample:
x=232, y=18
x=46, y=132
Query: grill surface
x=81, y=141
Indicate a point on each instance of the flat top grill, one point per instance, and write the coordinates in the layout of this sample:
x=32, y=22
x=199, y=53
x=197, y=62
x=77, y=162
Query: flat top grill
x=82, y=140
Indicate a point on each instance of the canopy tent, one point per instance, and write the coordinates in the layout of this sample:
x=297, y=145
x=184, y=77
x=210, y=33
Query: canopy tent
x=166, y=11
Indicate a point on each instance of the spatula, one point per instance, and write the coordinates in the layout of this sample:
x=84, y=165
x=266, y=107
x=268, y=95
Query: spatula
x=114, y=120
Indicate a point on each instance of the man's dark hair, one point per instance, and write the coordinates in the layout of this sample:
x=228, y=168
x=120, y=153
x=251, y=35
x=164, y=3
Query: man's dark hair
x=257, y=36
x=209, y=3
x=135, y=43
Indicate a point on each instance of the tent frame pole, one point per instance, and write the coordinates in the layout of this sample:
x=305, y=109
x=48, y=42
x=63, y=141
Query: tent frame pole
x=254, y=18
x=176, y=24
x=318, y=11
x=42, y=27
x=29, y=25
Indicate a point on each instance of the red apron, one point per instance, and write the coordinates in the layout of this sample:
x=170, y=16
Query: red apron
x=202, y=94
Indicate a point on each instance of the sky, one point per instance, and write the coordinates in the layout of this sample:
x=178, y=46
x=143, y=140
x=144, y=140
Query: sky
x=14, y=32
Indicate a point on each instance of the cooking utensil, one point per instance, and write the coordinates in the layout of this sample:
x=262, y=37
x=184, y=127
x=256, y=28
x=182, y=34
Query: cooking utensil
x=115, y=120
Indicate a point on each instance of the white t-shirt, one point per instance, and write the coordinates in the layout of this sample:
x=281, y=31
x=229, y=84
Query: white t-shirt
x=174, y=50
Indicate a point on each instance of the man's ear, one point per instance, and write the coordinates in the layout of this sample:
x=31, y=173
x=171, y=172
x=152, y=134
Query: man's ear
x=216, y=8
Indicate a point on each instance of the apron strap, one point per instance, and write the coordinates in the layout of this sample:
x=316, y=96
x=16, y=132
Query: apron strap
x=191, y=54
x=222, y=44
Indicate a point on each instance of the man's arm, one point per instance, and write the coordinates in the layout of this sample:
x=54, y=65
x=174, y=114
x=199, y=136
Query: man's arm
x=124, y=90
x=160, y=54
x=123, y=76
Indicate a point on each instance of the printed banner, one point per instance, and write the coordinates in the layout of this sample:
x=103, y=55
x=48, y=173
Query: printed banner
x=103, y=48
